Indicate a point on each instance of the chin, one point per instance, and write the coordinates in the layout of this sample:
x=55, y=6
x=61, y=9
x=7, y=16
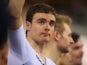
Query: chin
x=79, y=62
x=46, y=39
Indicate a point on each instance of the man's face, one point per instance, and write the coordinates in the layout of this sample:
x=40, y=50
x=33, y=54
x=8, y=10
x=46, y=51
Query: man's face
x=66, y=39
x=76, y=52
x=42, y=27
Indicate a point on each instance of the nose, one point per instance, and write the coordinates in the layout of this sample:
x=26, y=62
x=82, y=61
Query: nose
x=47, y=27
x=71, y=41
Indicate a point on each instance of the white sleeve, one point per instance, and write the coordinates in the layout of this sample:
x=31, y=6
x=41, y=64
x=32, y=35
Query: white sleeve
x=17, y=42
x=17, y=39
x=20, y=50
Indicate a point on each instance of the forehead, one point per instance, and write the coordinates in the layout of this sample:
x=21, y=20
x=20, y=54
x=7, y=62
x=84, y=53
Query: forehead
x=47, y=16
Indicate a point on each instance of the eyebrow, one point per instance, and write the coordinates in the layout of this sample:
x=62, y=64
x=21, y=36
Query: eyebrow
x=46, y=20
x=42, y=19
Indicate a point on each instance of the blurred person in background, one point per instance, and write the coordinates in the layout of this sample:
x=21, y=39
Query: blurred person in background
x=3, y=44
x=76, y=52
x=60, y=41
x=3, y=33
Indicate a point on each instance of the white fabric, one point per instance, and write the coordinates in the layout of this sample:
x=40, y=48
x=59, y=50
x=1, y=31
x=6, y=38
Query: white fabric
x=20, y=51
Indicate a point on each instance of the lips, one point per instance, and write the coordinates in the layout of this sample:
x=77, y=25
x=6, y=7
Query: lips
x=79, y=56
x=45, y=34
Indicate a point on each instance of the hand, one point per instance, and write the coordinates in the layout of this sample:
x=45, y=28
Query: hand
x=32, y=2
x=15, y=7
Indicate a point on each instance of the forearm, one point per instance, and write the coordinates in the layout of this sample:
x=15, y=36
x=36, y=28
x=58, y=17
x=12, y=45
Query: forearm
x=17, y=40
x=15, y=23
x=15, y=11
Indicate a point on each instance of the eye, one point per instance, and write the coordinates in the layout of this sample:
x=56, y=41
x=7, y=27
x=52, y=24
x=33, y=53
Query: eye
x=52, y=23
x=41, y=21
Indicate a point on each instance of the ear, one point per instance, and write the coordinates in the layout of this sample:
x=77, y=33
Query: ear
x=56, y=35
x=28, y=25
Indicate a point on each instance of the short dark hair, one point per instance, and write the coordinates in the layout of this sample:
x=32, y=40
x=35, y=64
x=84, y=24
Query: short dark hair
x=40, y=8
x=75, y=36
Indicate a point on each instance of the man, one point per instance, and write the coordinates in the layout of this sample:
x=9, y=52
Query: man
x=3, y=33
x=61, y=39
x=41, y=19
x=3, y=44
x=3, y=53
x=76, y=51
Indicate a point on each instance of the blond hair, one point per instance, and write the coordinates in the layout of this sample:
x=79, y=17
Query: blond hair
x=61, y=19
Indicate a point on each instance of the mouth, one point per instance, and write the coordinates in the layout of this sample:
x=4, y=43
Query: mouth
x=45, y=34
x=80, y=56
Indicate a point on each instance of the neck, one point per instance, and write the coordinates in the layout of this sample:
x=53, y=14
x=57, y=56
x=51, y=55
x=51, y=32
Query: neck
x=51, y=51
x=38, y=47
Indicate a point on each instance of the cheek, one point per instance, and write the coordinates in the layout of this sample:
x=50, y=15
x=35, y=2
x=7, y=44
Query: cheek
x=65, y=41
x=36, y=29
x=61, y=45
x=52, y=30
x=34, y=32
x=75, y=53
x=66, y=37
